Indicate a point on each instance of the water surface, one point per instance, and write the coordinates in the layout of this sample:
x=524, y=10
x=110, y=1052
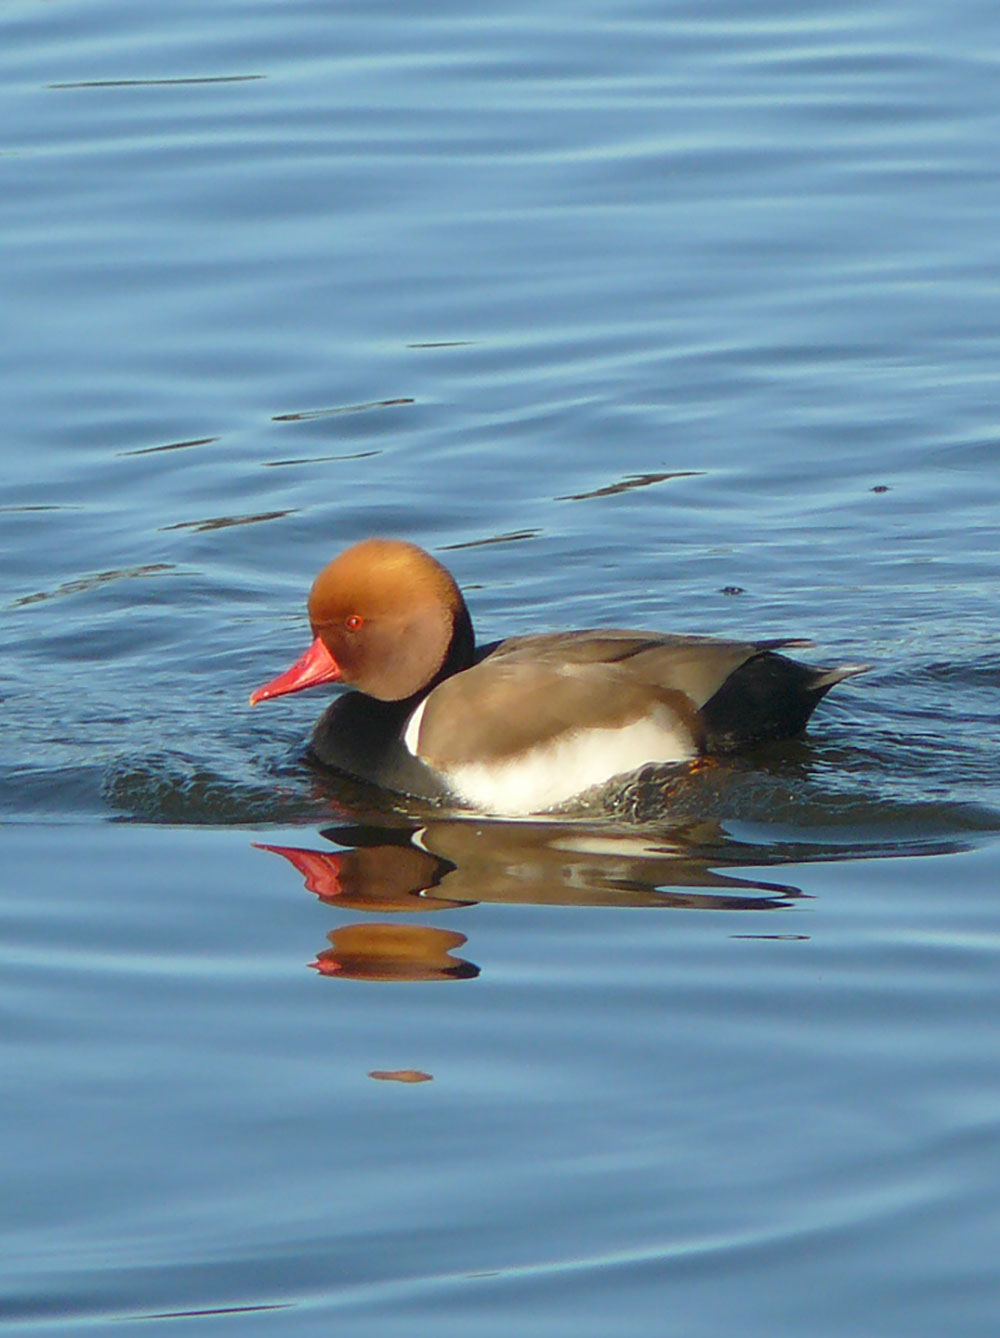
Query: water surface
x=676, y=317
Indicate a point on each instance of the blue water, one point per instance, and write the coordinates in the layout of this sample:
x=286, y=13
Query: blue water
x=677, y=316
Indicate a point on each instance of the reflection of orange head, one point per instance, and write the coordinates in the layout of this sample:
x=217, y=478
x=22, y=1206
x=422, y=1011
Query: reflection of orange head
x=394, y=952
x=382, y=878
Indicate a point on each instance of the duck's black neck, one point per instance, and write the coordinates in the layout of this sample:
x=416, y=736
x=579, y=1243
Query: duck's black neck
x=362, y=735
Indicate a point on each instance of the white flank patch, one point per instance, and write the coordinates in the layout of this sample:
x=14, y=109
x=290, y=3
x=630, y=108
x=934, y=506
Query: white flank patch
x=565, y=767
x=412, y=731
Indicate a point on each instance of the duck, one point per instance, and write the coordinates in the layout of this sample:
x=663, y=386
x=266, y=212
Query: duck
x=531, y=723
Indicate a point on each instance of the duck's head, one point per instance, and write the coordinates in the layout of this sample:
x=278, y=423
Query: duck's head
x=386, y=618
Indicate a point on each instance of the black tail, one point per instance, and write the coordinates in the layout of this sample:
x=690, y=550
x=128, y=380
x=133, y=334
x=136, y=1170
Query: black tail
x=770, y=697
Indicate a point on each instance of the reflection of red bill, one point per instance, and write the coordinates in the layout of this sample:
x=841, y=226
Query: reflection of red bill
x=316, y=666
x=326, y=966
x=320, y=870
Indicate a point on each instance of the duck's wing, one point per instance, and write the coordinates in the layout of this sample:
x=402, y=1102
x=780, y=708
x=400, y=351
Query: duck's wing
x=703, y=694
x=695, y=665
x=495, y=712
x=530, y=691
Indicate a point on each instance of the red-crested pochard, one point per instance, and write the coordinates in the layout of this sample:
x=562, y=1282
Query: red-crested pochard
x=522, y=725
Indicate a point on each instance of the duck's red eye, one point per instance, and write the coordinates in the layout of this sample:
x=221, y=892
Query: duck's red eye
x=353, y=622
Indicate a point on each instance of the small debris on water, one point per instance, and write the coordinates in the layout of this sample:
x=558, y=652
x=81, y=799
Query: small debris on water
x=401, y=1075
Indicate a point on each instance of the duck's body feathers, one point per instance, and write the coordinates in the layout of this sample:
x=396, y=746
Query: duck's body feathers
x=538, y=719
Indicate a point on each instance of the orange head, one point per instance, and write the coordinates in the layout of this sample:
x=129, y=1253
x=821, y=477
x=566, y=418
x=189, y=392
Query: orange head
x=386, y=618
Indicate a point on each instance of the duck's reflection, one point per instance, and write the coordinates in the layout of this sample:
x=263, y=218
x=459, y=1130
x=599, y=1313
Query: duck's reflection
x=449, y=864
